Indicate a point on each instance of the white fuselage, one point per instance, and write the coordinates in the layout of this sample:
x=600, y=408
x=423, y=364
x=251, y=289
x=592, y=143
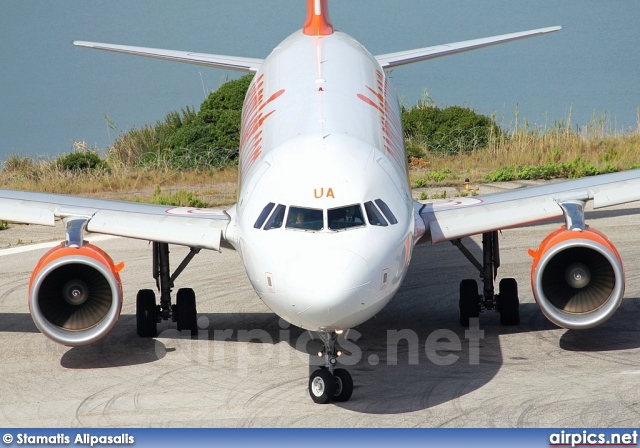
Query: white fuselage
x=321, y=137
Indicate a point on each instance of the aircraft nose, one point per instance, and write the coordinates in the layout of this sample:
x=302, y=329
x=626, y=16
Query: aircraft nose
x=326, y=285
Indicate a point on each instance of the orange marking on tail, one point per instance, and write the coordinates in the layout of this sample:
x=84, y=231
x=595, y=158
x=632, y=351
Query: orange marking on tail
x=317, y=22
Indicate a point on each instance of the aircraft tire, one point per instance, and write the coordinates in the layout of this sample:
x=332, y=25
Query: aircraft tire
x=469, y=303
x=321, y=384
x=187, y=313
x=509, y=303
x=146, y=318
x=342, y=385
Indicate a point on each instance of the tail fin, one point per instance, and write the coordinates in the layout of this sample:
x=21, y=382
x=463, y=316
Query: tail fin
x=317, y=23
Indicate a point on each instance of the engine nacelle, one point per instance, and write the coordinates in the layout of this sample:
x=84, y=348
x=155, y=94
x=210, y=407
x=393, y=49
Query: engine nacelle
x=75, y=294
x=577, y=278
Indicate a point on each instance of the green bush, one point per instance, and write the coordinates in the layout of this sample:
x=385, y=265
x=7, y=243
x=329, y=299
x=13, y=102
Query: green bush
x=190, y=140
x=451, y=130
x=439, y=176
x=575, y=169
x=229, y=96
x=81, y=161
x=180, y=198
x=222, y=132
x=502, y=174
x=217, y=125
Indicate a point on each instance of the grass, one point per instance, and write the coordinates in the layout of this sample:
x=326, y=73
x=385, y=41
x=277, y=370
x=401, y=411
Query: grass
x=181, y=198
x=214, y=186
x=535, y=152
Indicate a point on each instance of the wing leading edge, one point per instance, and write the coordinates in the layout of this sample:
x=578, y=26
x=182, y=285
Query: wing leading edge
x=474, y=215
x=184, y=226
x=390, y=60
x=210, y=60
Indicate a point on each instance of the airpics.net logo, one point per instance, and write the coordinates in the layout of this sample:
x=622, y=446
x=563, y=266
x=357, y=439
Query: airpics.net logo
x=590, y=438
x=441, y=347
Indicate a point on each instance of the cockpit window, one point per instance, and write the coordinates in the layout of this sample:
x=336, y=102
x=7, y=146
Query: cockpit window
x=373, y=215
x=276, y=219
x=345, y=217
x=263, y=215
x=305, y=219
x=386, y=211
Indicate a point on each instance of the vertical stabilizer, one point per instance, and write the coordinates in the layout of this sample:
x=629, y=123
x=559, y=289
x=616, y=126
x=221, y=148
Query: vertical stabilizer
x=317, y=23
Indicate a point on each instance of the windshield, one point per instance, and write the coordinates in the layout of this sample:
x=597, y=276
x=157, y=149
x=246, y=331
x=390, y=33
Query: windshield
x=304, y=219
x=374, y=215
x=339, y=218
x=387, y=211
x=275, y=221
x=345, y=217
x=263, y=216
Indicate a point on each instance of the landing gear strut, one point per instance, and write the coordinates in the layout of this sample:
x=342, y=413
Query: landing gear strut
x=472, y=303
x=149, y=313
x=330, y=383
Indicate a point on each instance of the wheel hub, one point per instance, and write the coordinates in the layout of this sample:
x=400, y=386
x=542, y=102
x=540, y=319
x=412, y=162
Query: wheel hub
x=317, y=386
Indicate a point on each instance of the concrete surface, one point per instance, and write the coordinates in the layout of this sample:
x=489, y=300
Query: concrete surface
x=534, y=374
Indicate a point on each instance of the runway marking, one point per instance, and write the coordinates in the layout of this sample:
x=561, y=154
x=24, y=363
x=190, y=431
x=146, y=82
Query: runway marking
x=631, y=372
x=29, y=247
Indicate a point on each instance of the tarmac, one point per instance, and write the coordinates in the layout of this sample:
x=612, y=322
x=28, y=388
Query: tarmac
x=247, y=368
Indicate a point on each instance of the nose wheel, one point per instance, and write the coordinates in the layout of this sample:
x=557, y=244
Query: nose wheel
x=329, y=383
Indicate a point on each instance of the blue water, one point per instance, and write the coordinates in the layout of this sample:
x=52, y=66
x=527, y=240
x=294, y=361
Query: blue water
x=52, y=93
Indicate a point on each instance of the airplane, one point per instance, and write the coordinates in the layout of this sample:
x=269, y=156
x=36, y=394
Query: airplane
x=325, y=223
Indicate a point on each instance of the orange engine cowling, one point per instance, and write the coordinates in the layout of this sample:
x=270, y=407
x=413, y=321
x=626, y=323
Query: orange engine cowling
x=75, y=294
x=577, y=278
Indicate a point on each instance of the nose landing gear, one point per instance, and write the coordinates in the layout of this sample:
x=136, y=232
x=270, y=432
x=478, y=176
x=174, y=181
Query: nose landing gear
x=329, y=383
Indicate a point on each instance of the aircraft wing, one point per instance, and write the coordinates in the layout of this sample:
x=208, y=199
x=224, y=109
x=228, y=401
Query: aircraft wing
x=193, y=227
x=210, y=60
x=474, y=215
x=391, y=60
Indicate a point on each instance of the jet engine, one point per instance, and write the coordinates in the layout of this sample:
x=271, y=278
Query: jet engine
x=75, y=294
x=577, y=278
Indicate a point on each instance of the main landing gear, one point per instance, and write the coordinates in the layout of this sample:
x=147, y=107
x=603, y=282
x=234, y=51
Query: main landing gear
x=330, y=383
x=149, y=314
x=472, y=303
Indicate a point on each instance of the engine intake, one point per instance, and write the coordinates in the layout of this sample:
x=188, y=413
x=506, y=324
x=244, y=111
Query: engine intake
x=75, y=294
x=577, y=278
